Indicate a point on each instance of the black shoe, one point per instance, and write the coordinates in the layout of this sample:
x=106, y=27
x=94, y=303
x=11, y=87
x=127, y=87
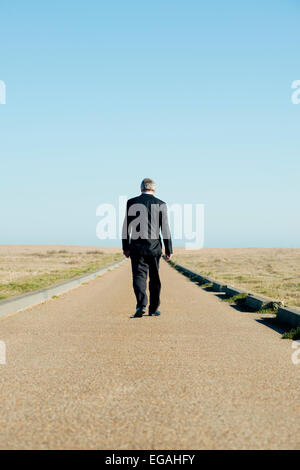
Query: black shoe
x=139, y=312
x=155, y=314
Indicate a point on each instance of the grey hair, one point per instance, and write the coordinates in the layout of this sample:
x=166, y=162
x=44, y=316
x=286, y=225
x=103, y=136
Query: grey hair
x=148, y=185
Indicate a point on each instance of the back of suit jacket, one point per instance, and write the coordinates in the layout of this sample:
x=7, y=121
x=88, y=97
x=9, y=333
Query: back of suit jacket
x=146, y=216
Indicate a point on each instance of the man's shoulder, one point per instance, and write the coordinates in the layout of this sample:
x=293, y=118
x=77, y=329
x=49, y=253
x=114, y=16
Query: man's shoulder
x=158, y=201
x=139, y=199
x=133, y=200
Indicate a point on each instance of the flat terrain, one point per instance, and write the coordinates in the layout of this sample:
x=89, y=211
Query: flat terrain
x=268, y=271
x=25, y=268
x=81, y=373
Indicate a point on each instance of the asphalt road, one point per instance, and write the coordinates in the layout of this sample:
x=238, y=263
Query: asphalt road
x=81, y=374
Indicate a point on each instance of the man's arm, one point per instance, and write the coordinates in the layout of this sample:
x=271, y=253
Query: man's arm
x=165, y=229
x=125, y=235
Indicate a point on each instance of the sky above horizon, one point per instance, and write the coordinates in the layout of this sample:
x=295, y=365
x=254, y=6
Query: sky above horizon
x=194, y=94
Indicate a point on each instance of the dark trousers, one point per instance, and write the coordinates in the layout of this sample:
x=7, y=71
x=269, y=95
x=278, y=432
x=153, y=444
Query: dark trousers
x=141, y=264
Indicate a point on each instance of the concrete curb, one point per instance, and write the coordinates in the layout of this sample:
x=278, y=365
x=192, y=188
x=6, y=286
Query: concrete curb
x=232, y=291
x=289, y=315
x=207, y=280
x=187, y=272
x=254, y=302
x=218, y=286
x=34, y=298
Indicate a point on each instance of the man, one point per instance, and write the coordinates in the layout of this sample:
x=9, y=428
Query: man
x=146, y=216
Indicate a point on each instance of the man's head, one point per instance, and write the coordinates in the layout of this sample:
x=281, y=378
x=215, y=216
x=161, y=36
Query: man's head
x=148, y=185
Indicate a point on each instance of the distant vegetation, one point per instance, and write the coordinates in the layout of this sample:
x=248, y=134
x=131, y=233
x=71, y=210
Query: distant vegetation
x=22, y=272
x=271, y=272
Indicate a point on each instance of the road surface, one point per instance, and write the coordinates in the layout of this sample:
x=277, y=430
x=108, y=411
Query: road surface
x=81, y=374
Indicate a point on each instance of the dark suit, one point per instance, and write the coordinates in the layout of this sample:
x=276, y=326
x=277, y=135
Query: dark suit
x=146, y=216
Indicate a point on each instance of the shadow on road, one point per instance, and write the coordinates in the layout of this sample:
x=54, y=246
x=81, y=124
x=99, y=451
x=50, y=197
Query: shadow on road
x=274, y=324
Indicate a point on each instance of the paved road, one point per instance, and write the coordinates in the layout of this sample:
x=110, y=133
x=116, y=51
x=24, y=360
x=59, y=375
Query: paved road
x=81, y=374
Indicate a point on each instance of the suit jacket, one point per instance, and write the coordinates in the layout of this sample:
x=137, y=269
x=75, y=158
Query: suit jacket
x=146, y=217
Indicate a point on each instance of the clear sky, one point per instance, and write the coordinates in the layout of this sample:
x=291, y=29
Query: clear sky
x=195, y=94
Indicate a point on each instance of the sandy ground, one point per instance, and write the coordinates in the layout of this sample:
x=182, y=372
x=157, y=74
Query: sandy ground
x=81, y=373
x=274, y=272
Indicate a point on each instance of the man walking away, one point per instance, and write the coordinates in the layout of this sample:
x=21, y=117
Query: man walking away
x=145, y=219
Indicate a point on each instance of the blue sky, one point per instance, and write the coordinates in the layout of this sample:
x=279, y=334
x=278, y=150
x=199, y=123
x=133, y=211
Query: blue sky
x=195, y=94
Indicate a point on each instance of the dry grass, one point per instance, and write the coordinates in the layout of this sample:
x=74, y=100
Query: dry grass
x=267, y=271
x=24, y=268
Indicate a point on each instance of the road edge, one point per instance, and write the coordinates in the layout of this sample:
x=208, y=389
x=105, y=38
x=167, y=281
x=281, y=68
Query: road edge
x=255, y=303
x=22, y=302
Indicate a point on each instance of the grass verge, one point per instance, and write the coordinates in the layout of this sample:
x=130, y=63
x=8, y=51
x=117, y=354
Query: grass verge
x=31, y=283
x=238, y=299
x=292, y=334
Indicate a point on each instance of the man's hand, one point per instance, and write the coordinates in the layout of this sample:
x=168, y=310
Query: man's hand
x=168, y=257
x=126, y=253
